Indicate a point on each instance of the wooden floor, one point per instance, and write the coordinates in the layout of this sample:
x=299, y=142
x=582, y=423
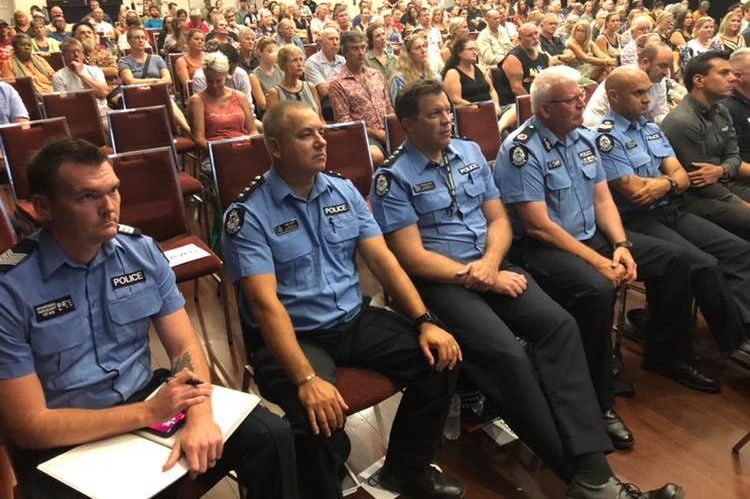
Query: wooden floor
x=681, y=435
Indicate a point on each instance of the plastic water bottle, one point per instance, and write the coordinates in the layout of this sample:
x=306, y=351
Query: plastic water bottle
x=452, y=428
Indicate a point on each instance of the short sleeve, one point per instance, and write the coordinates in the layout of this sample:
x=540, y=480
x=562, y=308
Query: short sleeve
x=172, y=299
x=614, y=157
x=391, y=205
x=247, y=252
x=368, y=227
x=16, y=356
x=17, y=108
x=519, y=174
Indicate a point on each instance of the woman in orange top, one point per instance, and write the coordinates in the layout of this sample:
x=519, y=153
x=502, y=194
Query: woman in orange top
x=24, y=63
x=185, y=66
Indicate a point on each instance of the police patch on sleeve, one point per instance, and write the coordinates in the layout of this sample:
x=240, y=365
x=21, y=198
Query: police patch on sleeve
x=382, y=185
x=519, y=156
x=605, y=143
x=234, y=221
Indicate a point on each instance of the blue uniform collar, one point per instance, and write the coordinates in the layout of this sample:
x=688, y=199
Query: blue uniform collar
x=546, y=133
x=622, y=123
x=421, y=161
x=280, y=189
x=51, y=256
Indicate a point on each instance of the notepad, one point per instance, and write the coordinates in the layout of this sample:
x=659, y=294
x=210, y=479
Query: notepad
x=129, y=466
x=185, y=254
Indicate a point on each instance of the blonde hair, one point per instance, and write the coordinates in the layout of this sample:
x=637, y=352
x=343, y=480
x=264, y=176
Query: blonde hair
x=216, y=61
x=404, y=64
x=725, y=23
x=697, y=25
x=584, y=44
x=285, y=53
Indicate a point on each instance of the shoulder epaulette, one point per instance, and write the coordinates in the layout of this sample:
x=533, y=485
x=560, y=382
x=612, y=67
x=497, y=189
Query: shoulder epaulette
x=257, y=182
x=525, y=135
x=331, y=173
x=128, y=230
x=17, y=254
x=606, y=126
x=393, y=157
x=462, y=137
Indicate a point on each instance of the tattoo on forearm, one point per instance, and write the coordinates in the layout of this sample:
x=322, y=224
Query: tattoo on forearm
x=184, y=362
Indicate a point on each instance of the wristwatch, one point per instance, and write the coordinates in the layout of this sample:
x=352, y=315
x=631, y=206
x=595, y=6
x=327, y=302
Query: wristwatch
x=672, y=185
x=624, y=244
x=425, y=317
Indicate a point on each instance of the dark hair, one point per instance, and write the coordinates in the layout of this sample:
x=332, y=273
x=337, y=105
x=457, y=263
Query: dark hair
x=228, y=50
x=350, y=38
x=42, y=171
x=18, y=38
x=179, y=12
x=407, y=101
x=456, y=48
x=370, y=33
x=701, y=64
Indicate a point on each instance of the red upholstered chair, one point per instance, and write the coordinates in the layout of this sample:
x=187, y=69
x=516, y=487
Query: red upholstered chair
x=25, y=88
x=8, y=237
x=152, y=202
x=523, y=108
x=235, y=163
x=310, y=49
x=19, y=142
x=588, y=91
x=157, y=95
x=145, y=128
x=148, y=49
x=478, y=122
x=152, y=34
x=394, y=134
x=82, y=112
x=54, y=59
x=349, y=154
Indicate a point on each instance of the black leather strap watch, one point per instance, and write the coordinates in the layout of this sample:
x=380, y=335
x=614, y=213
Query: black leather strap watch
x=425, y=317
x=623, y=244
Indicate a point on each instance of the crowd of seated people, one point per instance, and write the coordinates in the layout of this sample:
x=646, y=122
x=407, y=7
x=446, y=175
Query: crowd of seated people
x=655, y=187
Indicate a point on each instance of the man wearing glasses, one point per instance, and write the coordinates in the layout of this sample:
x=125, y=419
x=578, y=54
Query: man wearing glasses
x=569, y=236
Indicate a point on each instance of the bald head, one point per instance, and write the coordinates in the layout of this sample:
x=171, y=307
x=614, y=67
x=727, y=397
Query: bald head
x=628, y=90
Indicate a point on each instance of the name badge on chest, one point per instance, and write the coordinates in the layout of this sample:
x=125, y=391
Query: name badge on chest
x=286, y=227
x=424, y=186
x=55, y=308
x=128, y=279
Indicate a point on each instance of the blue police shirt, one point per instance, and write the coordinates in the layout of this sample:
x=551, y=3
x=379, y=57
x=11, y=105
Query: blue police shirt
x=631, y=148
x=83, y=328
x=534, y=165
x=309, y=244
x=444, y=200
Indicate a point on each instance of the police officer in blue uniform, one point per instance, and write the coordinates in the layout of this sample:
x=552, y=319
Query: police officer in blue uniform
x=644, y=173
x=290, y=242
x=77, y=299
x=440, y=210
x=571, y=238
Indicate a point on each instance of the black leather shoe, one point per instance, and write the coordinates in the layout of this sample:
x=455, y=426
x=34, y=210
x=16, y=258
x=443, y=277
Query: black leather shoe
x=614, y=489
x=741, y=355
x=685, y=374
x=429, y=485
x=620, y=434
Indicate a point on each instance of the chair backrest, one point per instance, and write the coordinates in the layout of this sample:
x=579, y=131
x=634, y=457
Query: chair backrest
x=153, y=34
x=179, y=91
x=349, y=153
x=82, y=112
x=234, y=163
x=54, y=59
x=495, y=72
x=150, y=190
x=139, y=128
x=478, y=122
x=8, y=237
x=310, y=49
x=523, y=108
x=394, y=134
x=20, y=141
x=25, y=88
x=472, y=35
x=149, y=95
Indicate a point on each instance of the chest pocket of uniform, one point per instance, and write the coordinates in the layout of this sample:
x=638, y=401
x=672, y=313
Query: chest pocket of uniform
x=430, y=201
x=58, y=347
x=658, y=148
x=558, y=179
x=131, y=318
x=293, y=258
x=474, y=187
x=589, y=171
x=341, y=233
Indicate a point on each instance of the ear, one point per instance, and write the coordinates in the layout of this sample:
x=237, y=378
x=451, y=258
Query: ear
x=274, y=148
x=42, y=207
x=698, y=81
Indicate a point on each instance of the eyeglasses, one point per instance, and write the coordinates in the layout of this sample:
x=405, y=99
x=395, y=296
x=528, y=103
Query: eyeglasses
x=573, y=100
